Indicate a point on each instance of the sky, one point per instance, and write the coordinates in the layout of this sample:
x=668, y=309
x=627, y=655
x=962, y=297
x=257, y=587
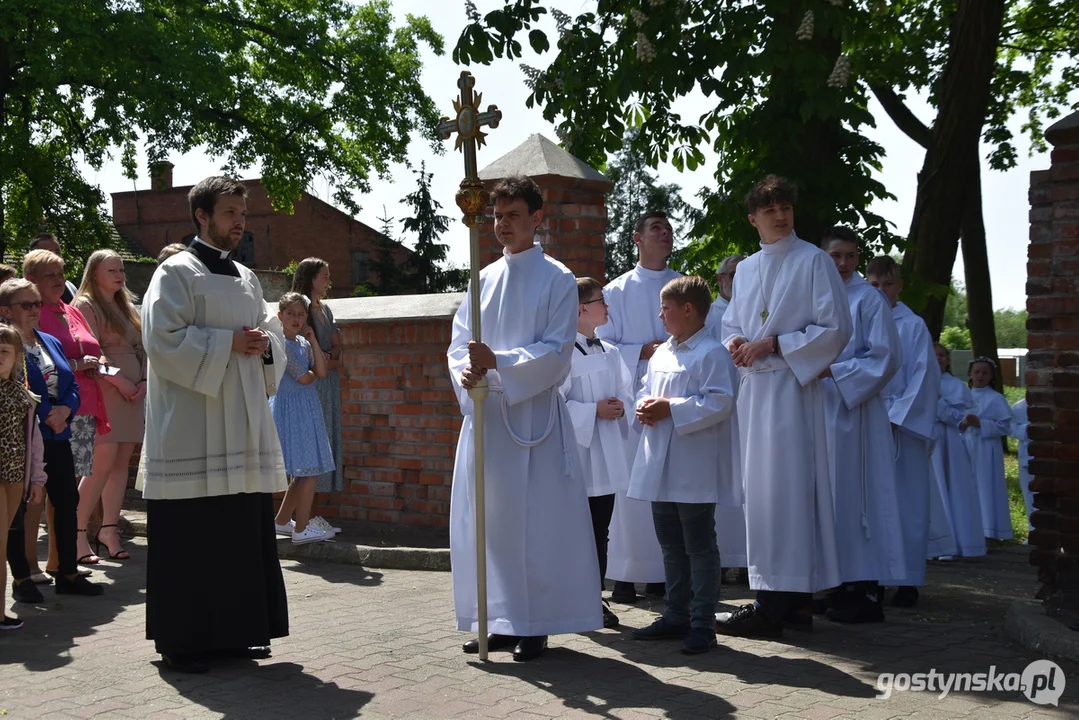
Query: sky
x=1005, y=204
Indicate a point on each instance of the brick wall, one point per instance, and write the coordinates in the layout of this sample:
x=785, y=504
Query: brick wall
x=1053, y=367
x=574, y=225
x=400, y=417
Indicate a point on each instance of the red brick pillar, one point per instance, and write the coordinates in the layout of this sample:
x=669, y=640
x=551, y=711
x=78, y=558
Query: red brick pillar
x=574, y=228
x=1053, y=367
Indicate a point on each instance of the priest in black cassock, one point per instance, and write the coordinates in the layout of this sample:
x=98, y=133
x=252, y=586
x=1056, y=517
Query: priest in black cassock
x=211, y=458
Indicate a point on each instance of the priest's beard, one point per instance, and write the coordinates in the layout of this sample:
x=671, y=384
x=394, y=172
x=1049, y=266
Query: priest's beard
x=220, y=237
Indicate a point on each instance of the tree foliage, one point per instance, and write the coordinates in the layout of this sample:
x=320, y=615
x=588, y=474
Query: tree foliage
x=387, y=268
x=303, y=88
x=1011, y=325
x=636, y=191
x=426, y=273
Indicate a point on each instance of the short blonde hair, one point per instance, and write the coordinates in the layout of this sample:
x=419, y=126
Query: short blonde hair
x=37, y=261
x=691, y=290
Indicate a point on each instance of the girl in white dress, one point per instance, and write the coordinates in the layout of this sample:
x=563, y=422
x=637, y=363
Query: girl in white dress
x=990, y=420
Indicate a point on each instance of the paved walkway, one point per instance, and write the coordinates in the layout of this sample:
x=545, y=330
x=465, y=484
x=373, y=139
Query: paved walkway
x=382, y=645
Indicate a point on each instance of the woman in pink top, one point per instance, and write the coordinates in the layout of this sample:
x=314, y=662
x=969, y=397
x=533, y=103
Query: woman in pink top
x=46, y=270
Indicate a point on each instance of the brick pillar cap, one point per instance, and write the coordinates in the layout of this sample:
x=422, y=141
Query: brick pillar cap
x=1064, y=131
x=537, y=156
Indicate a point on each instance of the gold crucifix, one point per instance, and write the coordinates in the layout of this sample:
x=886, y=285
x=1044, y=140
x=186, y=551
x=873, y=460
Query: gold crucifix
x=470, y=198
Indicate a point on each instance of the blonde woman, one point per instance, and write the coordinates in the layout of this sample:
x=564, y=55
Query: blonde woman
x=109, y=309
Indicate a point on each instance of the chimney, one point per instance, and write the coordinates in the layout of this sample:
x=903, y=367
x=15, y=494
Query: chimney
x=161, y=175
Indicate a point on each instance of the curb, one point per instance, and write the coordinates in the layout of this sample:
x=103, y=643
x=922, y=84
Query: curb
x=344, y=553
x=1028, y=625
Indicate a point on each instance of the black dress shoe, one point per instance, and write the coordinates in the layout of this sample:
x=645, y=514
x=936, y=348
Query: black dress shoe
x=624, y=592
x=699, y=640
x=656, y=590
x=800, y=619
x=78, y=586
x=494, y=642
x=749, y=622
x=905, y=597
x=26, y=592
x=530, y=648
x=856, y=611
x=257, y=652
x=191, y=664
x=610, y=620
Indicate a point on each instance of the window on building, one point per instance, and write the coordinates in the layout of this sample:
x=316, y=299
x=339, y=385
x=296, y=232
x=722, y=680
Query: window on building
x=245, y=251
x=359, y=267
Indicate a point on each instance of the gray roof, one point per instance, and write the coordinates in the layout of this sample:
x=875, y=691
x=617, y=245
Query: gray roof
x=395, y=307
x=539, y=156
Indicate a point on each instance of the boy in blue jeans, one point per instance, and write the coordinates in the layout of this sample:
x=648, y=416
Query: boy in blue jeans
x=687, y=461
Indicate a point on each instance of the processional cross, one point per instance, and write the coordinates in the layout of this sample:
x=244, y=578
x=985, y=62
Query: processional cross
x=472, y=198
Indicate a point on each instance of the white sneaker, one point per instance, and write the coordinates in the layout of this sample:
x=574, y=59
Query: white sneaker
x=311, y=534
x=323, y=524
x=287, y=529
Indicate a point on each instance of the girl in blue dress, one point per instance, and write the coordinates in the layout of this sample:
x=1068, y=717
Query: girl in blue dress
x=300, y=425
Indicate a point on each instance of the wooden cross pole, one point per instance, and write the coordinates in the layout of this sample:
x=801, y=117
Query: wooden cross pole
x=472, y=198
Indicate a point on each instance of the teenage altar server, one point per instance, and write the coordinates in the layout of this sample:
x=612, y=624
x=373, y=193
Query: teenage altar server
x=951, y=460
x=860, y=445
x=911, y=397
x=787, y=322
x=635, y=328
x=539, y=581
x=1019, y=432
x=598, y=393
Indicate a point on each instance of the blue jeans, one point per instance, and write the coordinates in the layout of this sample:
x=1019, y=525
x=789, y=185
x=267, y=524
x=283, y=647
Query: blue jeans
x=687, y=538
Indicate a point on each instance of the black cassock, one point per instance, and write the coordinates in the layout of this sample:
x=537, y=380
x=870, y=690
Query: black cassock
x=213, y=578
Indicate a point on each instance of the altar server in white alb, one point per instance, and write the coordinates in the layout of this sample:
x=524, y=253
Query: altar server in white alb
x=787, y=322
x=1019, y=432
x=598, y=392
x=860, y=446
x=730, y=520
x=635, y=328
x=951, y=460
x=687, y=461
x=211, y=458
x=983, y=427
x=540, y=579
x=911, y=397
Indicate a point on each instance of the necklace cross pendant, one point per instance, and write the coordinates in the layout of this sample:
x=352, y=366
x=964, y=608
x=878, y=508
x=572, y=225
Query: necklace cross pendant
x=764, y=316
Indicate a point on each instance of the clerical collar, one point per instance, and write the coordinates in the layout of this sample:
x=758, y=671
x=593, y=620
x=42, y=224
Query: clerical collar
x=212, y=248
x=642, y=270
x=781, y=245
x=524, y=256
x=691, y=342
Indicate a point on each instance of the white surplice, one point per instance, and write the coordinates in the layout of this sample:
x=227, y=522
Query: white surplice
x=540, y=579
x=209, y=427
x=691, y=456
x=987, y=459
x=633, y=321
x=860, y=447
x=730, y=519
x=633, y=315
x=788, y=489
x=952, y=468
x=597, y=374
x=1019, y=432
x=911, y=397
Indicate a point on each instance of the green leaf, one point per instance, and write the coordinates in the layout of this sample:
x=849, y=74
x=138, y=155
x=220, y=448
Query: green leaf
x=538, y=40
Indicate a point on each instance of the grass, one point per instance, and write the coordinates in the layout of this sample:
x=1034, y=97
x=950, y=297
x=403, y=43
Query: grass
x=1014, y=394
x=1015, y=496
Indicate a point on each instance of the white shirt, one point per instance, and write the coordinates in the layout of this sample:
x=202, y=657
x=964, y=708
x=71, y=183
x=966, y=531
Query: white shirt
x=633, y=314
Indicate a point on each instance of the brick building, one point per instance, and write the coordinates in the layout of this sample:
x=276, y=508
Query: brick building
x=1053, y=367
x=152, y=219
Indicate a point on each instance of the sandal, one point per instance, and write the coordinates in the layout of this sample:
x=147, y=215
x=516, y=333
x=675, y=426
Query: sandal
x=89, y=558
x=120, y=554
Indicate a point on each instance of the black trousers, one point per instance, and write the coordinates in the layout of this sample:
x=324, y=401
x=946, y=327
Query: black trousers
x=778, y=604
x=602, y=509
x=62, y=489
x=16, y=545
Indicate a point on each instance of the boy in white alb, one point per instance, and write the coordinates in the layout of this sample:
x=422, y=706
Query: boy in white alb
x=597, y=392
x=687, y=461
x=539, y=582
x=632, y=301
x=911, y=396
